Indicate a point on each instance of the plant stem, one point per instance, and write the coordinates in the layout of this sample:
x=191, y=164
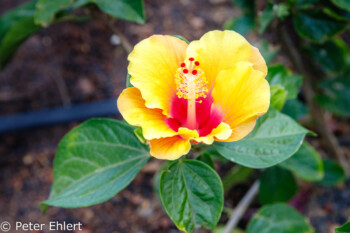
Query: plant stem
x=62, y=88
x=123, y=39
x=317, y=113
x=241, y=207
x=109, y=22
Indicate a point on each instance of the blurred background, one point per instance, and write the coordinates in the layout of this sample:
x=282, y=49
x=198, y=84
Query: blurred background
x=71, y=65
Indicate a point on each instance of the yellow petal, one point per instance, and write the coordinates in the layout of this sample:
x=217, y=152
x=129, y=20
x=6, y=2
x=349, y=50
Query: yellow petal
x=187, y=133
x=241, y=94
x=222, y=132
x=169, y=148
x=258, y=61
x=153, y=63
x=242, y=130
x=221, y=50
x=172, y=148
x=133, y=109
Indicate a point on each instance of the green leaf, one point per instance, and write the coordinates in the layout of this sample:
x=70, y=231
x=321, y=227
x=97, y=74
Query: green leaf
x=247, y=6
x=278, y=218
x=128, y=83
x=282, y=10
x=94, y=161
x=266, y=18
x=276, y=185
x=333, y=173
x=306, y=163
x=192, y=194
x=305, y=4
x=16, y=26
x=343, y=4
x=181, y=38
x=138, y=133
x=295, y=109
x=337, y=13
x=11, y=17
x=242, y=25
x=271, y=12
x=47, y=9
x=214, y=154
x=238, y=174
x=343, y=229
x=156, y=179
x=317, y=26
x=18, y=33
x=335, y=95
x=122, y=9
x=278, y=96
x=275, y=138
x=331, y=56
x=279, y=75
x=206, y=158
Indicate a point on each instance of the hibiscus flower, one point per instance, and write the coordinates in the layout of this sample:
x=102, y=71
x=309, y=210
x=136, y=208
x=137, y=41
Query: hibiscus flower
x=213, y=89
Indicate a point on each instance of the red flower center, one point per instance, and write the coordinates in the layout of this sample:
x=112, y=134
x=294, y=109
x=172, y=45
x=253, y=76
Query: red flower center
x=192, y=106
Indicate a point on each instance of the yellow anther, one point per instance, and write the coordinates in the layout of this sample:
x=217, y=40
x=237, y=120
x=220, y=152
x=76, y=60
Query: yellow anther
x=182, y=81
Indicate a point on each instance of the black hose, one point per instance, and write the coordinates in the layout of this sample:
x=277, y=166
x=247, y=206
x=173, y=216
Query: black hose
x=59, y=115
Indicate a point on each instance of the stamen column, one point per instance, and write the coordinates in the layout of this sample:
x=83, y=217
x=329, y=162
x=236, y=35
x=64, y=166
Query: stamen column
x=191, y=105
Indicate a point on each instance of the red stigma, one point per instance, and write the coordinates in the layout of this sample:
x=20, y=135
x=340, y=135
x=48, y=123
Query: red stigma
x=197, y=63
x=183, y=64
x=185, y=71
x=194, y=72
x=191, y=59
